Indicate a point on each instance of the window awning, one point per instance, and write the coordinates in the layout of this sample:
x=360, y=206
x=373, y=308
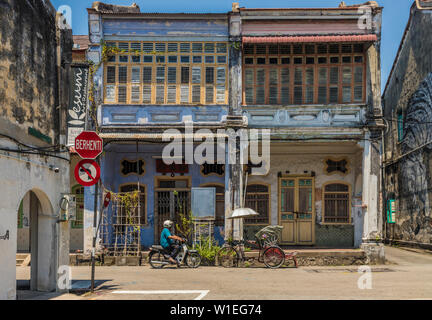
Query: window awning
x=312, y=39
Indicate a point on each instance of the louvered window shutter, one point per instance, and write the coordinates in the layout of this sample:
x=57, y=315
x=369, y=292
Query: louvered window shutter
x=122, y=75
x=322, y=85
x=196, y=94
x=358, y=84
x=147, y=74
x=249, y=86
x=135, y=94
x=171, y=94
x=122, y=94
x=111, y=74
x=209, y=94
x=298, y=89
x=220, y=94
x=184, y=94
x=196, y=75
x=185, y=75
x=160, y=94
x=160, y=75
x=260, y=86
x=147, y=94
x=110, y=93
x=285, y=89
x=136, y=77
x=273, y=86
x=209, y=75
x=172, y=75
x=309, y=96
x=334, y=94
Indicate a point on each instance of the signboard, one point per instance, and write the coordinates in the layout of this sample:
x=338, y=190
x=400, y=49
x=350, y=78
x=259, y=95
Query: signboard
x=87, y=173
x=391, y=211
x=76, y=115
x=107, y=199
x=88, y=145
x=203, y=203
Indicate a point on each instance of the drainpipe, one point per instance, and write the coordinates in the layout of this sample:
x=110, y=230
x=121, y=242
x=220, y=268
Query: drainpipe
x=383, y=179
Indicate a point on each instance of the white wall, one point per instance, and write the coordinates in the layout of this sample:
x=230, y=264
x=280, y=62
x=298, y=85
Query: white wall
x=17, y=178
x=286, y=159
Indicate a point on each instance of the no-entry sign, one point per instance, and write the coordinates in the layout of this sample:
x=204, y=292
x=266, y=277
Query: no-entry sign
x=87, y=173
x=88, y=145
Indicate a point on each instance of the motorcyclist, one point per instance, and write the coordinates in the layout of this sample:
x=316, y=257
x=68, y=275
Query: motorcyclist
x=167, y=243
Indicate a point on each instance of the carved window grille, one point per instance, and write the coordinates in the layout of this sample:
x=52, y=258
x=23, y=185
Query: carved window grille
x=337, y=166
x=336, y=203
x=258, y=199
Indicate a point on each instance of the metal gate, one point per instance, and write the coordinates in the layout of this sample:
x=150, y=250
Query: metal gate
x=169, y=205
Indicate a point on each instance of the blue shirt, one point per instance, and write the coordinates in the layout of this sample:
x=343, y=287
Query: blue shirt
x=165, y=241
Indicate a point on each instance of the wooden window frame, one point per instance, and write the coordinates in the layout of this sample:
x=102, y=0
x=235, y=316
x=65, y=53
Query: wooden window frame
x=268, y=193
x=178, y=65
x=349, y=222
x=316, y=66
x=76, y=224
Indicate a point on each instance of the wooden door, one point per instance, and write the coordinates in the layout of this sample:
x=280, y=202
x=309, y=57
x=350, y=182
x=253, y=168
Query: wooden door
x=296, y=210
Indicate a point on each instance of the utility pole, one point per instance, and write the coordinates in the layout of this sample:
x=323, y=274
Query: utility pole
x=93, y=252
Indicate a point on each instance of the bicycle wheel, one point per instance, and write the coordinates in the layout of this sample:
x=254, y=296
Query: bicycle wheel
x=193, y=260
x=274, y=257
x=156, y=260
x=228, y=257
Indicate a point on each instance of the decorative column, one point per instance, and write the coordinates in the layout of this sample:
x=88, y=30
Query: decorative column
x=372, y=222
x=234, y=183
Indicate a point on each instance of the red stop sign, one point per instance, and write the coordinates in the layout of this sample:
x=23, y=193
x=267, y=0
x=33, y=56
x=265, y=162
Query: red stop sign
x=88, y=145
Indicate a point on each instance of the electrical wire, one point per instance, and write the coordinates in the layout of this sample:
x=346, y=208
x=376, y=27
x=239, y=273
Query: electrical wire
x=31, y=147
x=35, y=153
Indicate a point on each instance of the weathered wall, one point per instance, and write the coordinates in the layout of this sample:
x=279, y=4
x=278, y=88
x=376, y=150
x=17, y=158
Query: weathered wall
x=297, y=163
x=27, y=64
x=35, y=49
x=409, y=93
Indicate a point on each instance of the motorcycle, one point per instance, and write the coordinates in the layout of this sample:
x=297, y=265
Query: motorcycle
x=159, y=257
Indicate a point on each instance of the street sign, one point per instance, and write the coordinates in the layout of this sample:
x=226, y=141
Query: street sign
x=88, y=145
x=87, y=173
x=391, y=211
x=107, y=199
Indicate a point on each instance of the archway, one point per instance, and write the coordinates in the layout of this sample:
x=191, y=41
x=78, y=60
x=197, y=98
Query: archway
x=36, y=240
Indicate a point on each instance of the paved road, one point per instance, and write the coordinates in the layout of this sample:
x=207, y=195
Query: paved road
x=407, y=276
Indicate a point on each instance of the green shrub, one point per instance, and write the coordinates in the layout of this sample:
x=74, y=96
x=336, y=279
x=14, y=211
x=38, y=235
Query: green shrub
x=208, y=250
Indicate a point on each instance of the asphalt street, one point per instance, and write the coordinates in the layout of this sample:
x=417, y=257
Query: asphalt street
x=407, y=276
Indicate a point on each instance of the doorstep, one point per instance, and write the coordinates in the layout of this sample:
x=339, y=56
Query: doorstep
x=305, y=257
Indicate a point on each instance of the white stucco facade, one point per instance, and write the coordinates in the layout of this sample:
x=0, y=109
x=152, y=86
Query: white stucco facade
x=20, y=174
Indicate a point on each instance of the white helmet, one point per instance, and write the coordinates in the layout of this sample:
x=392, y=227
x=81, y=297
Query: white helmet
x=167, y=224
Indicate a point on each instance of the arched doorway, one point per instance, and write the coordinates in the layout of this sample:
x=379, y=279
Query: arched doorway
x=36, y=237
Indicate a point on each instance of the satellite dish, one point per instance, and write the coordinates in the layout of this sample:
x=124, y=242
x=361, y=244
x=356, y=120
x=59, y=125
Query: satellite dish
x=243, y=213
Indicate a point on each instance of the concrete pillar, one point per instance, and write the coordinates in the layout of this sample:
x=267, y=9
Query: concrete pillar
x=372, y=235
x=234, y=194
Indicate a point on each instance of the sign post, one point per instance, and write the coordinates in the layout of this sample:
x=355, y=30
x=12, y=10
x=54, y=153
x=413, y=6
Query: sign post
x=89, y=146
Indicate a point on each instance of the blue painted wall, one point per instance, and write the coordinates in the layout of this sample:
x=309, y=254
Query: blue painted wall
x=113, y=179
x=213, y=28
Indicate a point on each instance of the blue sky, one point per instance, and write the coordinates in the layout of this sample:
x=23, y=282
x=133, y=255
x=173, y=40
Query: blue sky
x=395, y=18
